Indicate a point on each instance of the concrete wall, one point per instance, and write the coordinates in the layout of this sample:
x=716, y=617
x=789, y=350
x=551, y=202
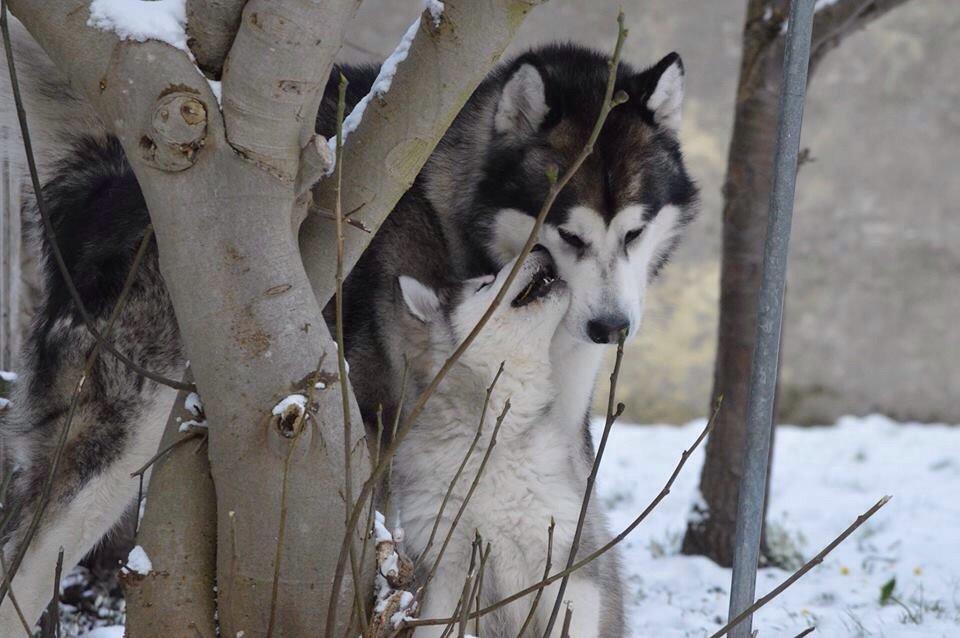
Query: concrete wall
x=874, y=286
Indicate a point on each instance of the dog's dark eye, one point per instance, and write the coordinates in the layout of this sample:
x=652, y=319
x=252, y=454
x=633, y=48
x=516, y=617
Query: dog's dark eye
x=572, y=239
x=631, y=236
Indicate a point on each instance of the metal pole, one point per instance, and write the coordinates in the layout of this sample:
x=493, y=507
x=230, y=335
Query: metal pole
x=763, y=374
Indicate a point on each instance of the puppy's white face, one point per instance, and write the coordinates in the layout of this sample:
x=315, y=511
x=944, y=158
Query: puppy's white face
x=607, y=266
x=524, y=322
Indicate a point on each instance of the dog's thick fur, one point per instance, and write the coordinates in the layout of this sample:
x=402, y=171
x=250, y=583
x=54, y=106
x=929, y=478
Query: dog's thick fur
x=466, y=215
x=532, y=475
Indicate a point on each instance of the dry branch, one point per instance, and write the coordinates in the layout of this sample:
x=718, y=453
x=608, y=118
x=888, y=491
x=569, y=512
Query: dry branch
x=612, y=414
x=797, y=575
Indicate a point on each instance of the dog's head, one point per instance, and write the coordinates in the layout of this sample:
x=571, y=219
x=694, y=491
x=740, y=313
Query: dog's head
x=615, y=223
x=520, y=329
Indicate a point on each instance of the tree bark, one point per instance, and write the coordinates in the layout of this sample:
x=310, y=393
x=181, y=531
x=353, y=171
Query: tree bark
x=179, y=534
x=711, y=529
x=226, y=228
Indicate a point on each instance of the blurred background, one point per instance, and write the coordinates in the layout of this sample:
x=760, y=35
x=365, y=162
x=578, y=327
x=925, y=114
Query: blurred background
x=873, y=296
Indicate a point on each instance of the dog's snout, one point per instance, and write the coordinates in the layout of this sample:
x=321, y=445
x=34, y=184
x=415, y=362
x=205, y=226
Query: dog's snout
x=538, y=248
x=607, y=329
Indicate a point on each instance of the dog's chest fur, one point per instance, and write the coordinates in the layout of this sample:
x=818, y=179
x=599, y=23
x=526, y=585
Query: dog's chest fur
x=528, y=480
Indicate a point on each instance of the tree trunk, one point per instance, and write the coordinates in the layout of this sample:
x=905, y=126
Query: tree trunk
x=711, y=528
x=179, y=534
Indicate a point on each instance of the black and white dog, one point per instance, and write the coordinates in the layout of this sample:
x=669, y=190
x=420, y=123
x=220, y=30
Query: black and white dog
x=468, y=214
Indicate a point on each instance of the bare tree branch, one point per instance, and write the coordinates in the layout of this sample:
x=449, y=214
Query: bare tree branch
x=797, y=575
x=398, y=133
x=833, y=23
x=546, y=572
x=275, y=75
x=613, y=413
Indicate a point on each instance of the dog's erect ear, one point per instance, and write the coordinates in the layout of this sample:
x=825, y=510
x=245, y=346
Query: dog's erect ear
x=659, y=90
x=421, y=300
x=523, y=103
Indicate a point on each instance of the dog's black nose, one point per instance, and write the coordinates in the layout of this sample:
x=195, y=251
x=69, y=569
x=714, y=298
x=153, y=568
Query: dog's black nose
x=538, y=247
x=607, y=329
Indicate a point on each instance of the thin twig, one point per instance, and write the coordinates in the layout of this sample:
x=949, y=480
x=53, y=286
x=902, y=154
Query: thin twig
x=599, y=552
x=463, y=464
x=610, y=101
x=342, y=371
x=810, y=564
x=466, y=499
x=546, y=572
x=478, y=586
x=806, y=632
x=74, y=403
x=16, y=605
x=54, y=613
x=356, y=223
x=567, y=618
x=612, y=414
x=300, y=426
x=189, y=436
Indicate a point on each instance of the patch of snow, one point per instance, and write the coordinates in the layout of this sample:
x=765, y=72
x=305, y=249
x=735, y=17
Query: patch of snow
x=435, y=7
x=9, y=377
x=319, y=385
x=4, y=403
x=380, y=532
x=138, y=562
x=163, y=20
x=216, y=87
x=823, y=478
x=186, y=426
x=105, y=632
x=295, y=401
x=380, y=85
x=193, y=404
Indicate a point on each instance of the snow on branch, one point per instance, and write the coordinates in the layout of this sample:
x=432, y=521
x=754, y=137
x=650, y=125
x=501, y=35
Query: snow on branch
x=163, y=20
x=382, y=83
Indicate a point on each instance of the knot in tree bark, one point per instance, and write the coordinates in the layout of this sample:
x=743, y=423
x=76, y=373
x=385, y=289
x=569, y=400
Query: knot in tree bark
x=178, y=130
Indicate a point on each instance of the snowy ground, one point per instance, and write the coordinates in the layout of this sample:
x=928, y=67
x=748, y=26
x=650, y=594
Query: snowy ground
x=822, y=479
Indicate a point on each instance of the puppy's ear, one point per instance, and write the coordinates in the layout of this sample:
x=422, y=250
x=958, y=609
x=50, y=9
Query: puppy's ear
x=523, y=103
x=659, y=91
x=421, y=300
